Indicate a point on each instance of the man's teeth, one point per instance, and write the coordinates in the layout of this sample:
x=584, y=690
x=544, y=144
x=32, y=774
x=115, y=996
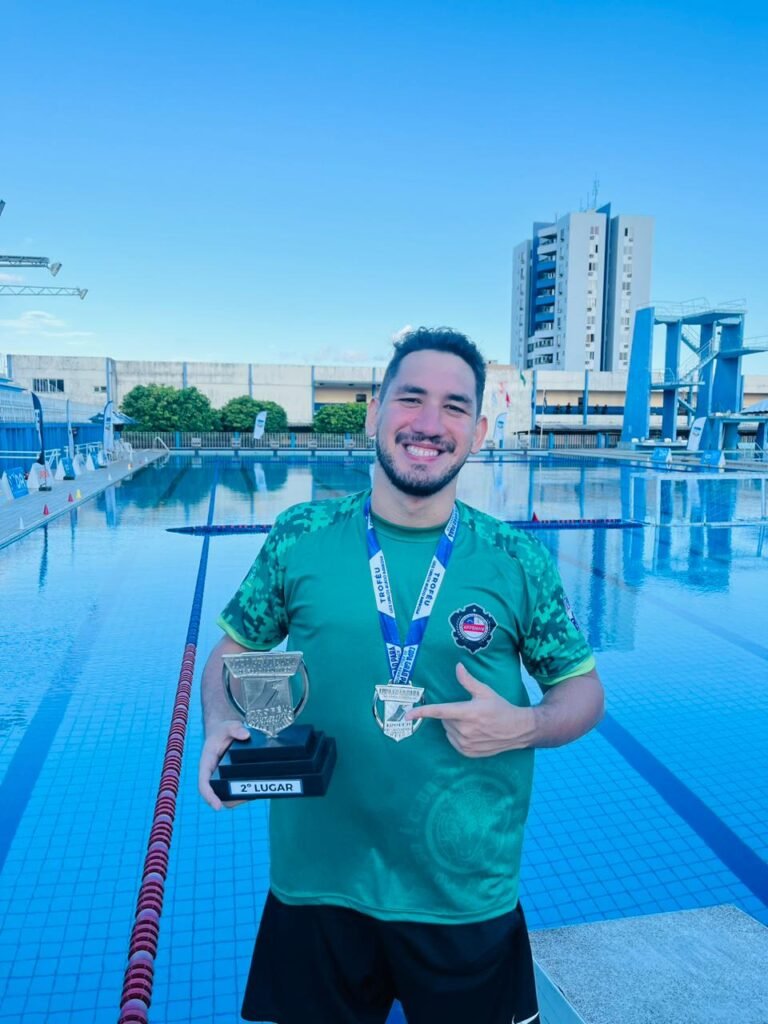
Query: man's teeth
x=421, y=453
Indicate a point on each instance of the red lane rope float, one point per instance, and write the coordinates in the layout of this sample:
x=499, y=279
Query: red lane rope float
x=142, y=950
x=139, y=974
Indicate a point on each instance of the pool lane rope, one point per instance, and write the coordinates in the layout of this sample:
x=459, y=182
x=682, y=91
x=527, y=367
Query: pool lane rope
x=521, y=524
x=140, y=972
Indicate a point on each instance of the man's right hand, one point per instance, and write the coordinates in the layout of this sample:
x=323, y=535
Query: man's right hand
x=217, y=742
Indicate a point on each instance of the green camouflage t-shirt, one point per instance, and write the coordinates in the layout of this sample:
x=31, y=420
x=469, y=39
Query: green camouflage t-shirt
x=408, y=830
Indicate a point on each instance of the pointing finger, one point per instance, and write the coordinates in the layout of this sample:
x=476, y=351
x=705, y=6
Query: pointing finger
x=454, y=711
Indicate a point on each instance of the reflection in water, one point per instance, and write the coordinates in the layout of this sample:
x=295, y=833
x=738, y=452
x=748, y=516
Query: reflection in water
x=677, y=541
x=42, y=574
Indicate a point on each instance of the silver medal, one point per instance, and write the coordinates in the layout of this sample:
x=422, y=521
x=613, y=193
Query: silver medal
x=396, y=701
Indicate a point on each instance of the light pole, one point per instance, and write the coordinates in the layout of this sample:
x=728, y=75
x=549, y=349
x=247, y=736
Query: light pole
x=34, y=261
x=33, y=289
x=30, y=261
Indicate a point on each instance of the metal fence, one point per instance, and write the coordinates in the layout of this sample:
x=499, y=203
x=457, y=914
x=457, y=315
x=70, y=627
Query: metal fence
x=181, y=439
x=231, y=439
x=16, y=407
x=549, y=439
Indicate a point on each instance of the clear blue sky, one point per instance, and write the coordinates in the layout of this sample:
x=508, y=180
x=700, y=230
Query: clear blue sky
x=289, y=181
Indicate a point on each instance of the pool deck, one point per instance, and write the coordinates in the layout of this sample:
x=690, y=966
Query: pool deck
x=20, y=516
x=703, y=966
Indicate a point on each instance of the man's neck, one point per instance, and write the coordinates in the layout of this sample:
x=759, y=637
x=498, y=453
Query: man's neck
x=392, y=504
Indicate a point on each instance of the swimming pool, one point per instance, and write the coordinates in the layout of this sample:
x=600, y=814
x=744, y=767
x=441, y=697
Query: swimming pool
x=664, y=807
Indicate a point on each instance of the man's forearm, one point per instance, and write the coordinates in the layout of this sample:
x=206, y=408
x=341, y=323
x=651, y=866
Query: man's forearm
x=568, y=710
x=216, y=705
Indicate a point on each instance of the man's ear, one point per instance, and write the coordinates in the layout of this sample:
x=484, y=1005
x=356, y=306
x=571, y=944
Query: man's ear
x=371, y=416
x=481, y=429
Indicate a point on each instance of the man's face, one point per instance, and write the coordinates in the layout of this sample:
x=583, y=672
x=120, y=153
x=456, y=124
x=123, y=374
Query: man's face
x=426, y=422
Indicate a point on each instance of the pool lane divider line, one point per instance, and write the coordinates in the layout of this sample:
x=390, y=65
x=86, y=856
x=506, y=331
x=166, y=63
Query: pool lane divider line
x=140, y=971
x=738, y=857
x=520, y=524
x=31, y=754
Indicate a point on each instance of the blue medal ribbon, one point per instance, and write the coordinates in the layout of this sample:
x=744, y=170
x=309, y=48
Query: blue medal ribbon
x=402, y=657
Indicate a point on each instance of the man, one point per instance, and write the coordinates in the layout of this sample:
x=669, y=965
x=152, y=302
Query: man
x=402, y=881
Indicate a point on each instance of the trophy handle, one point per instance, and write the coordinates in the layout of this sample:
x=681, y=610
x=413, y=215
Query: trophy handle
x=305, y=694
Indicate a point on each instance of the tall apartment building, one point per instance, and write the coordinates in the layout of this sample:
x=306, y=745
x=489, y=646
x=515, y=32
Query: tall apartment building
x=575, y=288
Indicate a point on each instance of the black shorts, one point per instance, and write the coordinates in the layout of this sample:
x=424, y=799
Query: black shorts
x=329, y=965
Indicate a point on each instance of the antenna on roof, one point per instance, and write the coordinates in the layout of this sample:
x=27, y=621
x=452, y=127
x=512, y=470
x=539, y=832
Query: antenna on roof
x=595, y=190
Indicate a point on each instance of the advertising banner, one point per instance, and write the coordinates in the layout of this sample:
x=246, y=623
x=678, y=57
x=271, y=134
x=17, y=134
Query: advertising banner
x=259, y=424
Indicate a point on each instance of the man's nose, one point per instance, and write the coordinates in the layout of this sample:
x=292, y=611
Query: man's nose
x=428, y=420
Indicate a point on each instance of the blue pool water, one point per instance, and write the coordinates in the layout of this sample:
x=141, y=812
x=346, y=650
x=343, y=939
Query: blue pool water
x=664, y=807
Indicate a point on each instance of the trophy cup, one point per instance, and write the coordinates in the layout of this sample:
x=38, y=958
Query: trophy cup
x=281, y=758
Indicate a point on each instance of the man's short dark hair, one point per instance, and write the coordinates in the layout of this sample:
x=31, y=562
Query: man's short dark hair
x=438, y=339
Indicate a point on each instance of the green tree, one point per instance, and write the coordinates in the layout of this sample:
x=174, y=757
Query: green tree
x=195, y=411
x=346, y=417
x=160, y=407
x=239, y=414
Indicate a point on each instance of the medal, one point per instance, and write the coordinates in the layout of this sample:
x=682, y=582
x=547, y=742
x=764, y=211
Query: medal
x=395, y=699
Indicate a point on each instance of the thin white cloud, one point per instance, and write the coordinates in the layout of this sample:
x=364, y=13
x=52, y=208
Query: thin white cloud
x=11, y=279
x=42, y=324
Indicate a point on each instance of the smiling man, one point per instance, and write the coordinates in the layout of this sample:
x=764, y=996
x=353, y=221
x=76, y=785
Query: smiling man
x=415, y=613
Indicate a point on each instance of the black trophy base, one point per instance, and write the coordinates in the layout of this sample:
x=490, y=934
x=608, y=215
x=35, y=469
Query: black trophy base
x=298, y=762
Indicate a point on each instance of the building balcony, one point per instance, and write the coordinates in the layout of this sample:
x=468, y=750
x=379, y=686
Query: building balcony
x=547, y=316
x=545, y=265
x=545, y=298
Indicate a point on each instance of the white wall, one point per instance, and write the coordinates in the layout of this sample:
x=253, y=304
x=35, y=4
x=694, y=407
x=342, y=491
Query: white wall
x=580, y=288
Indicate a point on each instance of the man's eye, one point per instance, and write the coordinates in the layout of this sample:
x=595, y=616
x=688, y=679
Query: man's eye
x=410, y=400
x=455, y=408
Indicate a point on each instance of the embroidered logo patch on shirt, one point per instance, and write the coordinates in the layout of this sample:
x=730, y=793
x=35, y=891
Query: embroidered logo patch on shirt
x=472, y=627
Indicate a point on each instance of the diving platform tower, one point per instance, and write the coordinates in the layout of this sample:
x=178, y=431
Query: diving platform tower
x=705, y=383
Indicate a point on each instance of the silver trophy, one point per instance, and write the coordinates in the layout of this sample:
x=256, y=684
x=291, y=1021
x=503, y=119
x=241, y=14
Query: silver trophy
x=281, y=758
x=264, y=681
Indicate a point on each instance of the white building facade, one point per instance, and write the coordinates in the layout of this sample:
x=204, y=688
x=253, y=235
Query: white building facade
x=575, y=288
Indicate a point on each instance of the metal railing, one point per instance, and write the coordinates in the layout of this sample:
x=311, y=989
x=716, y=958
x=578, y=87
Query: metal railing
x=217, y=439
x=694, y=307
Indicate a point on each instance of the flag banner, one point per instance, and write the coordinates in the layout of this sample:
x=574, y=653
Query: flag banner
x=39, y=427
x=70, y=435
x=694, y=438
x=498, y=430
x=258, y=425
x=109, y=426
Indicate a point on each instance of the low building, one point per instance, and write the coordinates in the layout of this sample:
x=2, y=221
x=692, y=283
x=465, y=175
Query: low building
x=564, y=400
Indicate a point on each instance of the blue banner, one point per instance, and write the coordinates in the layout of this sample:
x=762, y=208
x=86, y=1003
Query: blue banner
x=17, y=481
x=39, y=427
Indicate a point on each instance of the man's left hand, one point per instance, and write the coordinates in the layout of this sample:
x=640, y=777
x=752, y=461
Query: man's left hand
x=484, y=725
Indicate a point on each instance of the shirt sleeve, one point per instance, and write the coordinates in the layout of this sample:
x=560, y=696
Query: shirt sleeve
x=256, y=616
x=553, y=647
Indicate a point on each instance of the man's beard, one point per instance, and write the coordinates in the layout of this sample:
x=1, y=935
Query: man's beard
x=414, y=484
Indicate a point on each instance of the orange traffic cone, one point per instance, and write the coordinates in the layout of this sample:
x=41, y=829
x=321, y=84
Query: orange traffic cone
x=46, y=510
x=70, y=498
x=534, y=518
